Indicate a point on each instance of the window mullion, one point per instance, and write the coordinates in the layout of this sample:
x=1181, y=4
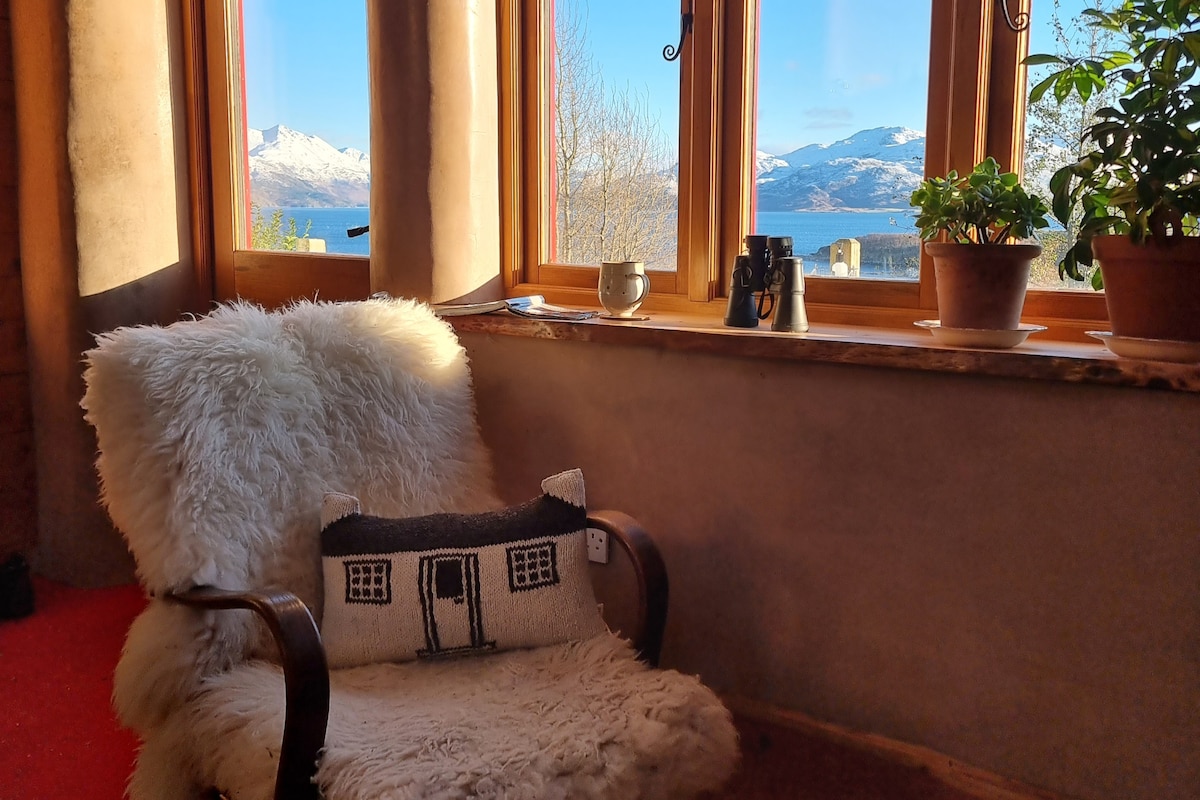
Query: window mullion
x=699, y=184
x=1006, y=95
x=223, y=54
x=957, y=120
x=966, y=83
x=199, y=149
x=538, y=144
x=514, y=233
x=736, y=135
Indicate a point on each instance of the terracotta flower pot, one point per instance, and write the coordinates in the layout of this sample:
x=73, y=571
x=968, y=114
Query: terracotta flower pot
x=1152, y=290
x=981, y=285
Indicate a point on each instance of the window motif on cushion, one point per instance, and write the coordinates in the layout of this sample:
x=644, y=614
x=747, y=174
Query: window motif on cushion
x=456, y=583
x=369, y=581
x=532, y=566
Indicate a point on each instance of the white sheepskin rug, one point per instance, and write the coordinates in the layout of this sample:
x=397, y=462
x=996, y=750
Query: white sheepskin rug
x=583, y=721
x=218, y=439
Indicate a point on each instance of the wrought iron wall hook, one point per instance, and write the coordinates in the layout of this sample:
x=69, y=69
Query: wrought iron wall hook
x=1018, y=23
x=685, y=27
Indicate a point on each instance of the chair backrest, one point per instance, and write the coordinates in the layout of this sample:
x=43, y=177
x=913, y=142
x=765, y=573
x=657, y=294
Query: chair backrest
x=219, y=436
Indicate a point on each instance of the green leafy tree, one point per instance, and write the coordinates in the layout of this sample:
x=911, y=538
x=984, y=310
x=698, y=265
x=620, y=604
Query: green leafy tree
x=273, y=233
x=1056, y=133
x=1138, y=174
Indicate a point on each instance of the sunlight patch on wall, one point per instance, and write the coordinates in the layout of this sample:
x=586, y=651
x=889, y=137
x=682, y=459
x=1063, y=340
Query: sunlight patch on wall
x=121, y=142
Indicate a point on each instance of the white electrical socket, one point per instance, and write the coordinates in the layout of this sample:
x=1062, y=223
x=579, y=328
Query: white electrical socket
x=597, y=543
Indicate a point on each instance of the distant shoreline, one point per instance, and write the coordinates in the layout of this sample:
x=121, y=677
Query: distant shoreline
x=840, y=210
x=837, y=210
x=810, y=229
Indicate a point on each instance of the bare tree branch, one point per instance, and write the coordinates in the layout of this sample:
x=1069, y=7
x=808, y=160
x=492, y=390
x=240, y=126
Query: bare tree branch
x=617, y=192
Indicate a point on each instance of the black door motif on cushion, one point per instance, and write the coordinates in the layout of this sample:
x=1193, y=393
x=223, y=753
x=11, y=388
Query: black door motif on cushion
x=450, y=604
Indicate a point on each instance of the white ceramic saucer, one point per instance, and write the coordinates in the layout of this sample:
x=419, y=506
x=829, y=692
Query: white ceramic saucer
x=976, y=337
x=1150, y=349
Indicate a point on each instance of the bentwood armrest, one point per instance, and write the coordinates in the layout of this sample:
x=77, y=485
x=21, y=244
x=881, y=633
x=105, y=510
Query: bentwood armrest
x=305, y=676
x=651, y=575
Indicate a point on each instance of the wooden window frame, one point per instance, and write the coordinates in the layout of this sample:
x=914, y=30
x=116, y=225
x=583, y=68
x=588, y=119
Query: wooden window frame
x=975, y=108
x=267, y=277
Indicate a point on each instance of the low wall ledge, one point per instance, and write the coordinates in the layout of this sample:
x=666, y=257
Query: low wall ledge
x=837, y=344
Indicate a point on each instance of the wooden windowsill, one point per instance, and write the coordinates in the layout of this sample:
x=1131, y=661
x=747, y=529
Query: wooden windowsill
x=838, y=344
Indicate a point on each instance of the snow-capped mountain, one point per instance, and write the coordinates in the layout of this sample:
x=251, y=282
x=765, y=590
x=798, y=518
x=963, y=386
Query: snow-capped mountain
x=765, y=163
x=289, y=168
x=873, y=169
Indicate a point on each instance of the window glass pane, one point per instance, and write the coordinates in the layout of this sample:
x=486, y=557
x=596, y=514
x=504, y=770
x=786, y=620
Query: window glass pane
x=1053, y=131
x=840, y=121
x=614, y=121
x=307, y=118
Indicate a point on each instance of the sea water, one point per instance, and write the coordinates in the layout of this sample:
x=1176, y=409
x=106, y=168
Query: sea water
x=810, y=230
x=331, y=225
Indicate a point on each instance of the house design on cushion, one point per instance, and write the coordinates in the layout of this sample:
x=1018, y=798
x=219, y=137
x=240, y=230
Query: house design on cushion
x=450, y=584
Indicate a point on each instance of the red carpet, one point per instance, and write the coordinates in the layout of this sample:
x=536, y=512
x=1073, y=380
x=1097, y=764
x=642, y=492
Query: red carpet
x=59, y=738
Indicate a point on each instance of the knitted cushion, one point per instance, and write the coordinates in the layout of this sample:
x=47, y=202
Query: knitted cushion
x=451, y=584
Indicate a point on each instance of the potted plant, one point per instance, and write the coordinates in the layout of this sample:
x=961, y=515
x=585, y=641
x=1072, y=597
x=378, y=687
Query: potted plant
x=981, y=272
x=1135, y=190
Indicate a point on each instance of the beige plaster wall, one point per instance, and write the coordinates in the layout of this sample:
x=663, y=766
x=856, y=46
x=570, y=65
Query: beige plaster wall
x=124, y=141
x=435, y=197
x=96, y=252
x=1005, y=571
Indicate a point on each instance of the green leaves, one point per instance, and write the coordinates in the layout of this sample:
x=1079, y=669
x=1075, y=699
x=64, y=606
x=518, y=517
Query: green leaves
x=1082, y=77
x=987, y=206
x=1039, y=60
x=1142, y=156
x=1191, y=43
x=273, y=233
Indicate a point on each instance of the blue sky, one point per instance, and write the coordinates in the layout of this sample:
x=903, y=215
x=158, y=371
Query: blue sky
x=306, y=67
x=826, y=71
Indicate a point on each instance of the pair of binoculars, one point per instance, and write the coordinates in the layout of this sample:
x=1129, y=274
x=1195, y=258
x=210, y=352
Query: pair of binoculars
x=767, y=279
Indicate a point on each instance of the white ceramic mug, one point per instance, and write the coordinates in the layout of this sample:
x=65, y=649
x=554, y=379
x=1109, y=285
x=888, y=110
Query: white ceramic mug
x=623, y=287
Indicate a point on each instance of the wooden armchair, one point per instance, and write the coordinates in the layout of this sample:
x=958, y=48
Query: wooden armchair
x=218, y=437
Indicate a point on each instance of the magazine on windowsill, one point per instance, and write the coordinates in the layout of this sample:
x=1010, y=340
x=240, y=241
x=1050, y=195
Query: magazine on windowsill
x=534, y=306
